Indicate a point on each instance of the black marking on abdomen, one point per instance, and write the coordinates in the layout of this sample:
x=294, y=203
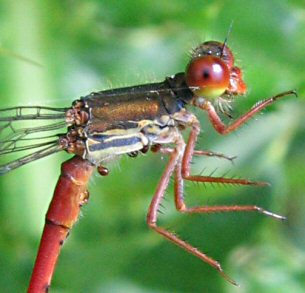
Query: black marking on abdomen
x=112, y=142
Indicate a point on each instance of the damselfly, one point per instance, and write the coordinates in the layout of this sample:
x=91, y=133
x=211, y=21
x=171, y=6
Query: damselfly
x=105, y=125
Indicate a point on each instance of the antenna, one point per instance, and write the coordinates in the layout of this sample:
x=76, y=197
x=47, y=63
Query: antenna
x=226, y=38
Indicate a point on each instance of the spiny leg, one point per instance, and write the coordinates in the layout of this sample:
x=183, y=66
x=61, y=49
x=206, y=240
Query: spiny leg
x=213, y=154
x=181, y=206
x=225, y=129
x=183, y=173
x=183, y=166
x=152, y=216
x=167, y=150
x=187, y=158
x=179, y=177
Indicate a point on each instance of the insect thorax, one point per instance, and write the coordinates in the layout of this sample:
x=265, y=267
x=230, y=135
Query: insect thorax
x=113, y=122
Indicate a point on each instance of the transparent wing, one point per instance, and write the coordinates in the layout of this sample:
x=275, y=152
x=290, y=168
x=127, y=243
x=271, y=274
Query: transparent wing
x=32, y=131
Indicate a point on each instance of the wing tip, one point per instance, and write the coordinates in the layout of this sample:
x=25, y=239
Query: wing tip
x=4, y=170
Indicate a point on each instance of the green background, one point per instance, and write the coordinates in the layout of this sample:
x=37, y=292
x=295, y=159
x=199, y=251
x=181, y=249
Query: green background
x=84, y=46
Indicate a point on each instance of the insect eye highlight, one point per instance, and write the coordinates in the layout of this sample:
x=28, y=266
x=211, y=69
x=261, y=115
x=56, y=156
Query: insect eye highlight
x=208, y=76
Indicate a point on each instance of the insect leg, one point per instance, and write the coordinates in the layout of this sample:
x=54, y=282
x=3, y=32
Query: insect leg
x=183, y=173
x=187, y=157
x=213, y=154
x=181, y=206
x=225, y=129
x=152, y=216
x=168, y=150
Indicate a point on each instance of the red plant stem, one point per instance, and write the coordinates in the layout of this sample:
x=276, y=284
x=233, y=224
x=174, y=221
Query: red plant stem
x=69, y=195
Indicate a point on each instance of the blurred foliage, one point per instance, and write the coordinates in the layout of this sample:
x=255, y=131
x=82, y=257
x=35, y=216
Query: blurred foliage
x=84, y=46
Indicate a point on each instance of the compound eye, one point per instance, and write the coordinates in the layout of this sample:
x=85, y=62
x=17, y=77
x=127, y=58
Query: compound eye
x=208, y=76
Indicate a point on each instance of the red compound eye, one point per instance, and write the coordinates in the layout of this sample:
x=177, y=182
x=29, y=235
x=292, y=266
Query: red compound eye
x=208, y=76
